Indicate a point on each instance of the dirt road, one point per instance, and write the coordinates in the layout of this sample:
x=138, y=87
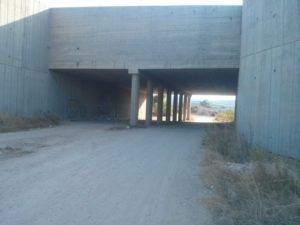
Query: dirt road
x=88, y=174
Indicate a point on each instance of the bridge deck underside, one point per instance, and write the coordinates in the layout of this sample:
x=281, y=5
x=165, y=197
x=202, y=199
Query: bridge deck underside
x=192, y=81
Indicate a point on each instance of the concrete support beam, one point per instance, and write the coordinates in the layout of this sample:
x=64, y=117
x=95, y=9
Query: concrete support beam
x=134, y=104
x=180, y=107
x=188, y=117
x=168, y=108
x=224, y=32
x=185, y=107
x=175, y=105
x=149, y=102
x=160, y=99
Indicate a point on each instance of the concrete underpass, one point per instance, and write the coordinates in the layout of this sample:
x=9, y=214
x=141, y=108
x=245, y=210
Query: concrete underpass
x=177, y=52
x=95, y=64
x=120, y=95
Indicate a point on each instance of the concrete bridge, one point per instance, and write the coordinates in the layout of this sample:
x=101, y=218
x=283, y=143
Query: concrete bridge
x=179, y=50
x=77, y=62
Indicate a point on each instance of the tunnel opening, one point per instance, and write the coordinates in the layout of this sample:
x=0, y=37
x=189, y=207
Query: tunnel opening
x=92, y=94
x=106, y=94
x=192, y=95
x=201, y=109
x=213, y=108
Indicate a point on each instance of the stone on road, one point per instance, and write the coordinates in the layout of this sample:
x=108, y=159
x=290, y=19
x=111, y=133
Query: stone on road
x=88, y=174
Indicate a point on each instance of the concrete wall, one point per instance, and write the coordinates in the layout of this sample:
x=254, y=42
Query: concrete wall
x=145, y=37
x=269, y=82
x=23, y=57
x=27, y=87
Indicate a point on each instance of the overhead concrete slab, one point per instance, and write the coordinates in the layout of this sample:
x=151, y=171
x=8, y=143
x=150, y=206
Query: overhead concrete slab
x=110, y=76
x=164, y=37
x=198, y=81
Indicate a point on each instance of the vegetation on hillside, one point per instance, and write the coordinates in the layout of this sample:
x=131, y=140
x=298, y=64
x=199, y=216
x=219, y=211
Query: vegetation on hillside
x=225, y=117
x=205, y=103
x=249, y=186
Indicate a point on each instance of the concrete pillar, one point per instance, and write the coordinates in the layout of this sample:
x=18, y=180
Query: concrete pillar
x=134, y=104
x=160, y=99
x=168, y=108
x=149, y=102
x=175, y=104
x=188, y=117
x=185, y=107
x=180, y=107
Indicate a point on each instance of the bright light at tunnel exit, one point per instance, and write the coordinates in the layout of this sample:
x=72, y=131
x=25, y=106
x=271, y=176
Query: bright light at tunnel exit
x=83, y=3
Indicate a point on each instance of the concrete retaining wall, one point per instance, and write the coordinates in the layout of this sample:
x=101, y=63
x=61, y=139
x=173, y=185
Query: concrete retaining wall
x=145, y=37
x=269, y=82
x=23, y=57
x=27, y=87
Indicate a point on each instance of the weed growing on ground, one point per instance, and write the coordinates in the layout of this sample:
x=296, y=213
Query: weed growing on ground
x=249, y=186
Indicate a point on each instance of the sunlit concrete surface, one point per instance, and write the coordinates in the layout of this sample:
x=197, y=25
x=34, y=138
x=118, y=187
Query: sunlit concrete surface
x=269, y=82
x=162, y=37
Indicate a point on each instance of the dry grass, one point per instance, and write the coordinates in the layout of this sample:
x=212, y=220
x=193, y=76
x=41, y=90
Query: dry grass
x=225, y=117
x=9, y=123
x=249, y=186
x=222, y=140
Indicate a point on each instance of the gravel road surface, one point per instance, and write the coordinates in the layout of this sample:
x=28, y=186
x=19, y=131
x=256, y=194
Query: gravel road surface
x=90, y=174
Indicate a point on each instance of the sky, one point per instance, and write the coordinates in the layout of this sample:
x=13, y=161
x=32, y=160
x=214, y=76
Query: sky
x=82, y=3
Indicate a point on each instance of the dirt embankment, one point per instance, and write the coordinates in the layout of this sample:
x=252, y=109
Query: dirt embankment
x=247, y=185
x=15, y=123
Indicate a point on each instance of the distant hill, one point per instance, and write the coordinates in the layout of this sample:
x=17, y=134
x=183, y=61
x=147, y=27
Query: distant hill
x=229, y=104
x=217, y=105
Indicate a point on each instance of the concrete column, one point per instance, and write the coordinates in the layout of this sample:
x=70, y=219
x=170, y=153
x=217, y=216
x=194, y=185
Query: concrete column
x=185, y=107
x=149, y=102
x=134, y=104
x=168, y=108
x=188, y=117
x=180, y=107
x=160, y=99
x=175, y=104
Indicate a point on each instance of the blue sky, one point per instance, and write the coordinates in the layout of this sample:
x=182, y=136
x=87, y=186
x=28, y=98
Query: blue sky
x=80, y=3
